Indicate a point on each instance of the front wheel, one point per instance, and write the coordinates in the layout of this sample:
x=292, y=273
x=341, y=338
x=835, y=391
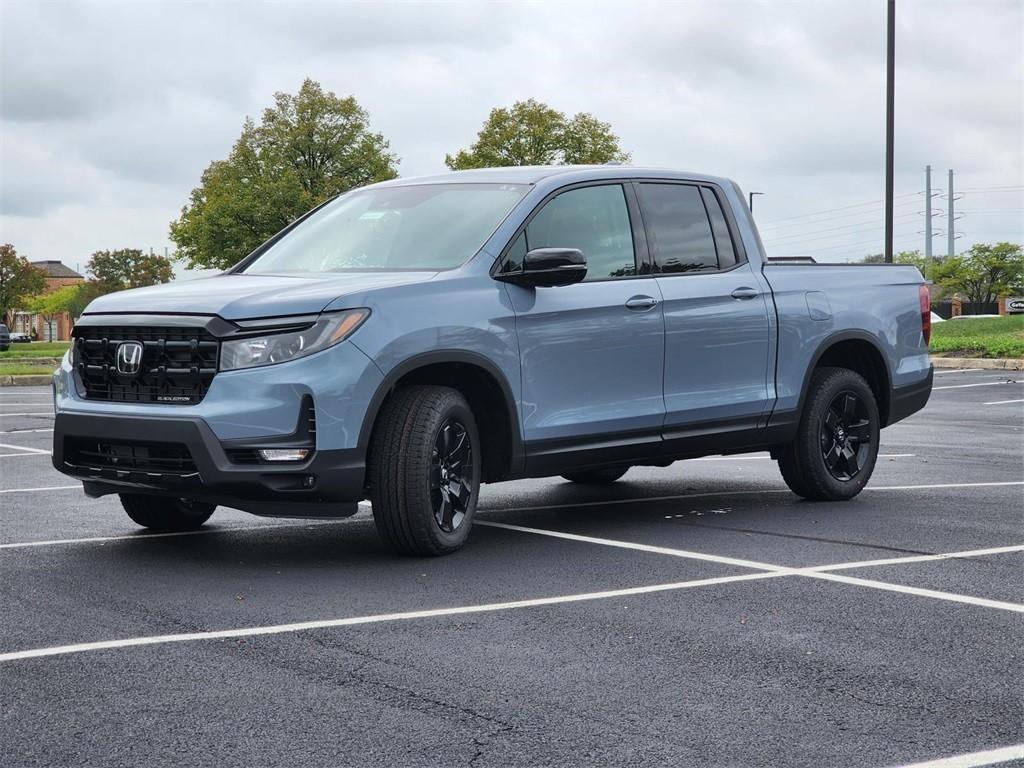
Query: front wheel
x=161, y=513
x=424, y=469
x=836, y=445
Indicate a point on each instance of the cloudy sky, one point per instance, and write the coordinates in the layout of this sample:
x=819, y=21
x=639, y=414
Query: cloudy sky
x=110, y=111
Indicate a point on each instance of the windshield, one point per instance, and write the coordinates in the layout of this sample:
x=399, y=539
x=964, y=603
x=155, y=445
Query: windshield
x=429, y=227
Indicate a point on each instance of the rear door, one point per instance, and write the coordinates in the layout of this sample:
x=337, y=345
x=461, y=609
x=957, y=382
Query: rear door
x=717, y=330
x=592, y=353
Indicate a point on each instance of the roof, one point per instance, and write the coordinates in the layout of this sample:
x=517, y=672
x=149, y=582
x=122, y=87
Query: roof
x=532, y=174
x=54, y=268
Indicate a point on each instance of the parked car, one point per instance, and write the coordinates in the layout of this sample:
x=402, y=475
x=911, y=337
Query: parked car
x=5, y=338
x=409, y=340
x=20, y=338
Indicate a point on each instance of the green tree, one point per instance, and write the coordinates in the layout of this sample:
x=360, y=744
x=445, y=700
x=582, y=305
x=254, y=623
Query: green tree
x=307, y=148
x=532, y=133
x=987, y=272
x=56, y=302
x=18, y=279
x=128, y=268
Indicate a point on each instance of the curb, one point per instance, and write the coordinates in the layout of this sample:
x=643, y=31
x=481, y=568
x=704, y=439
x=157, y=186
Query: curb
x=988, y=363
x=26, y=381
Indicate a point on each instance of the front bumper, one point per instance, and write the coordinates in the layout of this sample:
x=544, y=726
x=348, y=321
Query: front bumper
x=328, y=484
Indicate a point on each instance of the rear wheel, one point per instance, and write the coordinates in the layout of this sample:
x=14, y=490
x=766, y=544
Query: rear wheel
x=603, y=476
x=424, y=470
x=836, y=445
x=160, y=513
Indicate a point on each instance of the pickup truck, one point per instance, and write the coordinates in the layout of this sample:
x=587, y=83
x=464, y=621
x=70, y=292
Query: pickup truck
x=407, y=341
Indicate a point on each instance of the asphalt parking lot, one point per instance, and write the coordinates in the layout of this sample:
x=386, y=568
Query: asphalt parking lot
x=697, y=615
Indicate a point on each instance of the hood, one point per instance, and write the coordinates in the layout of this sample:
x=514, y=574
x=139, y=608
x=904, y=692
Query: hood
x=238, y=297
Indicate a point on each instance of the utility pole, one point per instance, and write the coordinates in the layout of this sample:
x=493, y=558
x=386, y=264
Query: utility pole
x=890, y=100
x=928, y=218
x=751, y=199
x=950, y=235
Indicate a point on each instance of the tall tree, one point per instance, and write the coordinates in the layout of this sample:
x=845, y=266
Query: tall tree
x=307, y=148
x=532, y=133
x=18, y=280
x=128, y=268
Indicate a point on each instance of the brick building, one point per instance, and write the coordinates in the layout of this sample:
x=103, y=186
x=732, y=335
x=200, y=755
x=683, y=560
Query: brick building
x=57, y=276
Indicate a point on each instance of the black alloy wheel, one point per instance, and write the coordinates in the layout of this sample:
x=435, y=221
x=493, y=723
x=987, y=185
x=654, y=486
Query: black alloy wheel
x=845, y=434
x=834, y=450
x=451, y=475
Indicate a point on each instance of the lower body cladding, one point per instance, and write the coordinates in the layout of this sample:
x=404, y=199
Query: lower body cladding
x=181, y=457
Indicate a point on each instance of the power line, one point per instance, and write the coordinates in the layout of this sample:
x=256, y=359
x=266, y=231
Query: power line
x=830, y=210
x=868, y=223
x=993, y=189
x=818, y=249
x=838, y=216
x=874, y=226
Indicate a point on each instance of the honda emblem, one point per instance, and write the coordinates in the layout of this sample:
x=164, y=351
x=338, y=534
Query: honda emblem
x=129, y=358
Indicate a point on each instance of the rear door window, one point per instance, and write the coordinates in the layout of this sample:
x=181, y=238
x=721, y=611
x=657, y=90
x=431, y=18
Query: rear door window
x=678, y=228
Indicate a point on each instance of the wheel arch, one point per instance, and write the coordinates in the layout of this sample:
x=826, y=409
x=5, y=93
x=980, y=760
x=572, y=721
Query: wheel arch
x=483, y=385
x=858, y=351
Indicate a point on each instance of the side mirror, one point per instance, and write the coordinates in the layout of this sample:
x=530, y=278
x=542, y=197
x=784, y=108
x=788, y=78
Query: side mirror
x=549, y=267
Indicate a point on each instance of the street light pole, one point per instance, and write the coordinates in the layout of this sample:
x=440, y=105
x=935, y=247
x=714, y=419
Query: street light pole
x=750, y=197
x=890, y=88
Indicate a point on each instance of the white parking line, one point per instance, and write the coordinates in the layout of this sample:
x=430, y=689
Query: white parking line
x=34, y=413
x=278, y=629
x=11, y=405
x=974, y=759
x=1003, y=402
x=23, y=431
x=23, y=448
x=910, y=559
x=813, y=573
x=957, y=370
x=39, y=490
x=13, y=455
x=982, y=384
x=764, y=571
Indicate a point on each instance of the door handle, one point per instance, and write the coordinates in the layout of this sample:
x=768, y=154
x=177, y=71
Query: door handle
x=744, y=293
x=641, y=303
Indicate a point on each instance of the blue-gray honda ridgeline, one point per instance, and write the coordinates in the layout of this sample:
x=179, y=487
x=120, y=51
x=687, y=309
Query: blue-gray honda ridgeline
x=409, y=340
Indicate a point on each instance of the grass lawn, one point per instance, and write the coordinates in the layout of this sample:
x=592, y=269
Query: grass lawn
x=20, y=369
x=985, y=337
x=36, y=349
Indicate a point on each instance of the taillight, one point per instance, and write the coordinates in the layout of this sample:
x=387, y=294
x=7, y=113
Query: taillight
x=926, y=313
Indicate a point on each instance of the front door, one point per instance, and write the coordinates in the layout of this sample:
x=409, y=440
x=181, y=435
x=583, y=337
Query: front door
x=592, y=353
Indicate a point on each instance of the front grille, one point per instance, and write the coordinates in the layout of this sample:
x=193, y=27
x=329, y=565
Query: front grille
x=125, y=460
x=177, y=366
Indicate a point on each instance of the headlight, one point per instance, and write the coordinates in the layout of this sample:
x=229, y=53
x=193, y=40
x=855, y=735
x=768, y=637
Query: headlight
x=272, y=348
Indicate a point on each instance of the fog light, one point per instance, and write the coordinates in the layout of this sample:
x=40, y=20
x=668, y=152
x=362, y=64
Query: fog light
x=283, y=454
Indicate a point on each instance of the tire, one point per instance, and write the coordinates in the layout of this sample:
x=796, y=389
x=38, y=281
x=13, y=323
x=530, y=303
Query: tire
x=603, y=476
x=162, y=513
x=424, y=470
x=836, y=445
